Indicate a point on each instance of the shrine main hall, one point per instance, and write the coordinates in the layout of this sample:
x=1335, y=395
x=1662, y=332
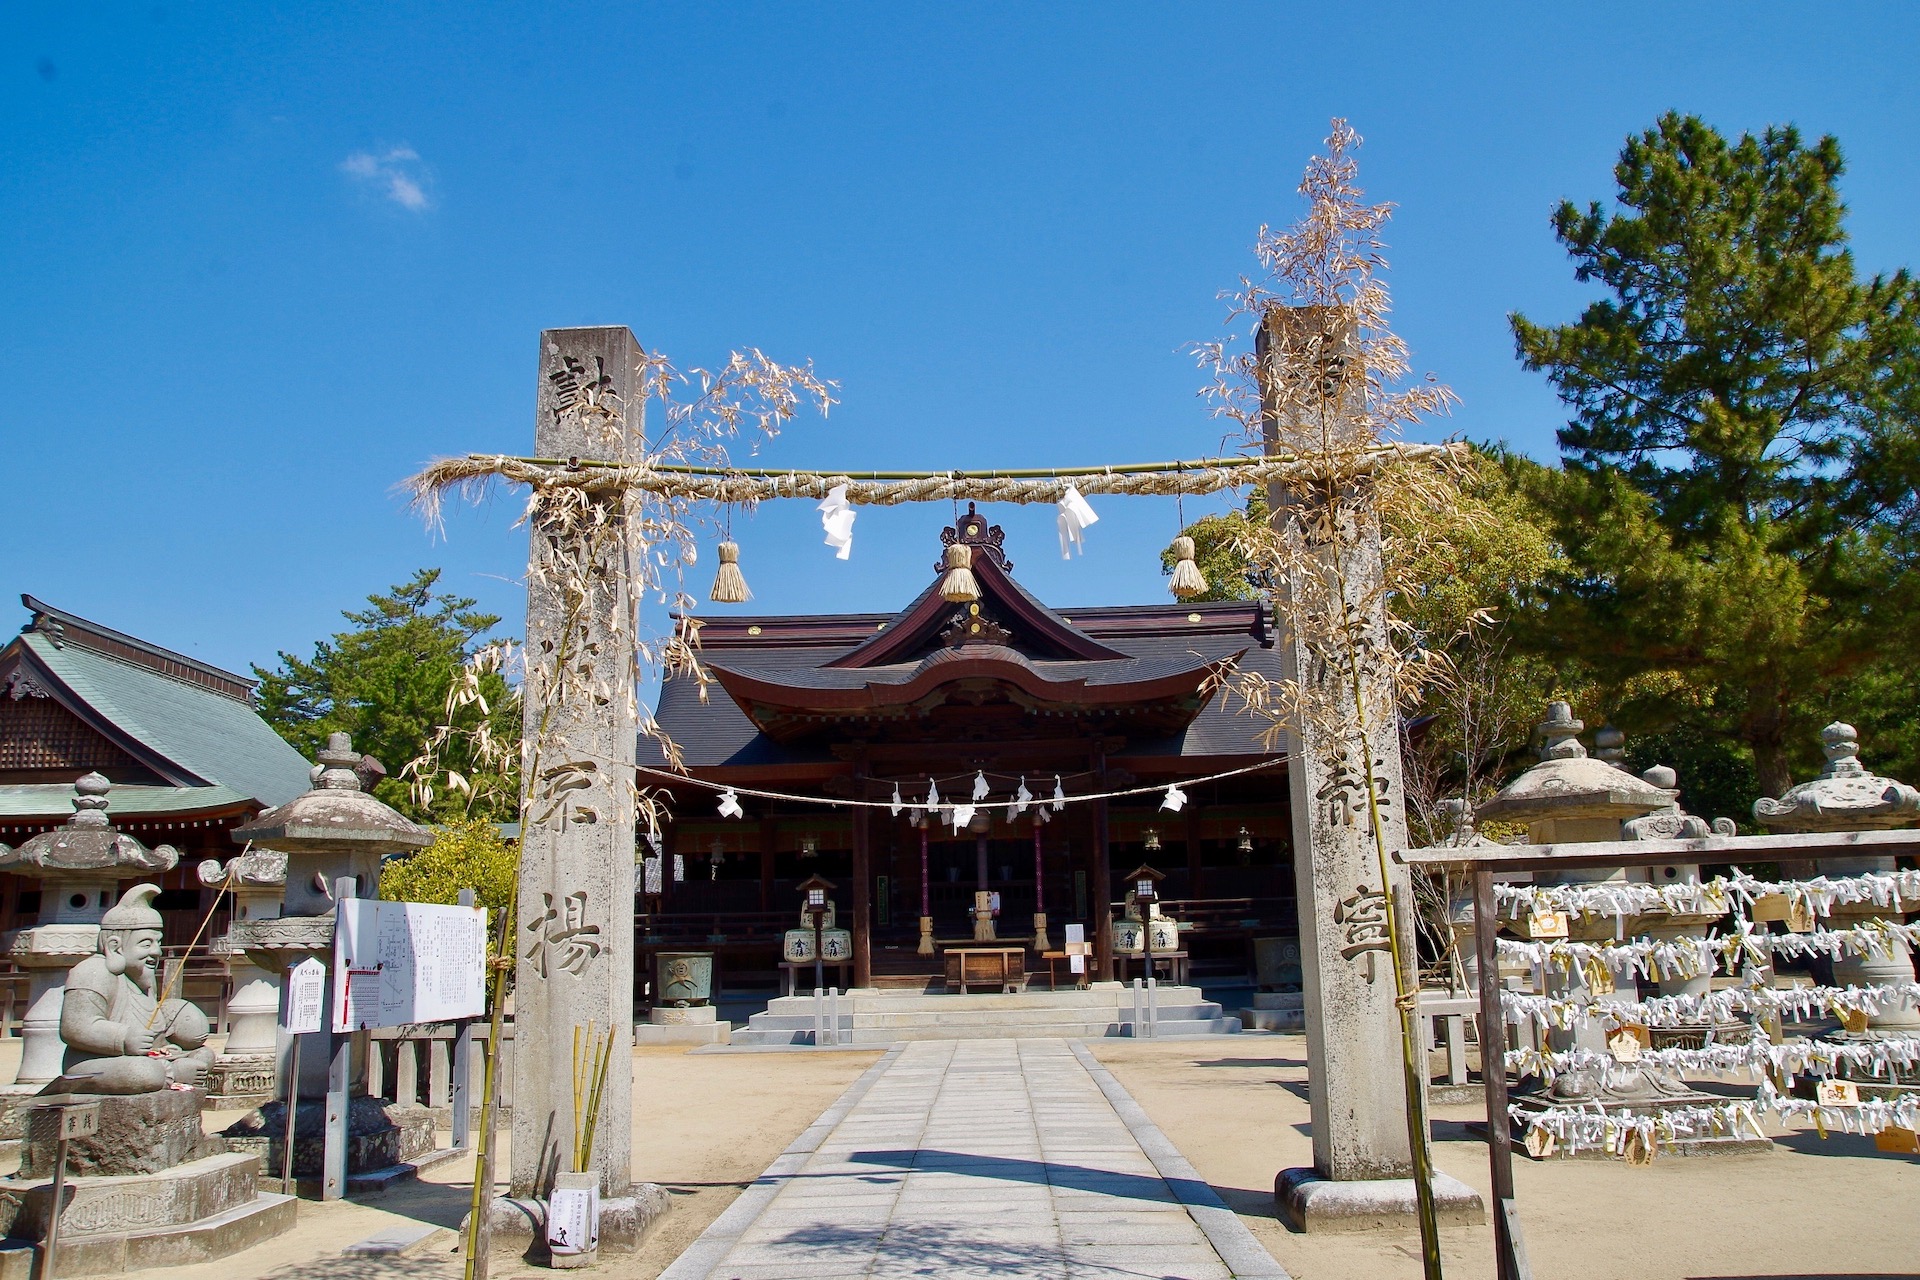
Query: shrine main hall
x=1003, y=687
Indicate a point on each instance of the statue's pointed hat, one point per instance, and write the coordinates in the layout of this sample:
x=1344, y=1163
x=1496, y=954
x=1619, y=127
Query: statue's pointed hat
x=134, y=910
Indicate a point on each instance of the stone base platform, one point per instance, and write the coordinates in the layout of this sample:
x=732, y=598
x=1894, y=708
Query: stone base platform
x=241, y=1082
x=1276, y=1011
x=15, y=1101
x=380, y=1135
x=193, y=1212
x=1311, y=1203
x=519, y=1224
x=145, y=1133
x=682, y=1032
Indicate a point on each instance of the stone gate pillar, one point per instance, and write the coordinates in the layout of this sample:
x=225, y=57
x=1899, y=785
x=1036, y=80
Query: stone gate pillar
x=1362, y=1172
x=573, y=936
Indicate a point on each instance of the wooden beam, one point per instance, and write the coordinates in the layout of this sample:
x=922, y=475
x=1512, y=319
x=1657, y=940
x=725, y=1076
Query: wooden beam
x=1654, y=853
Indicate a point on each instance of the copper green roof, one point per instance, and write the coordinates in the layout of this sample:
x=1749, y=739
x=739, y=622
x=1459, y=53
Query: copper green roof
x=192, y=724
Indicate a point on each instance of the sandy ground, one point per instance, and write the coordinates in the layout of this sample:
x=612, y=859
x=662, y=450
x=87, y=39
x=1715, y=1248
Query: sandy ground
x=1830, y=1209
x=707, y=1124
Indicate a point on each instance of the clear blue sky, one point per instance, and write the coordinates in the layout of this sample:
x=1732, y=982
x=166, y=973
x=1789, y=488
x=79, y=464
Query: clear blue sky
x=262, y=261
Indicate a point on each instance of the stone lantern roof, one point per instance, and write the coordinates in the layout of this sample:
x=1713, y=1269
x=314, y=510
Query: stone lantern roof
x=1845, y=797
x=335, y=814
x=87, y=846
x=1568, y=785
x=254, y=869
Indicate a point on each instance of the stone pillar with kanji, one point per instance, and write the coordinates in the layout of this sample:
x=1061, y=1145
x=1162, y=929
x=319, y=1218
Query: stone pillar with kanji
x=573, y=935
x=1362, y=1172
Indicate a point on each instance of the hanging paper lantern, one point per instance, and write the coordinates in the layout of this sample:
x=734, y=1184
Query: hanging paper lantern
x=729, y=587
x=1188, y=581
x=959, y=585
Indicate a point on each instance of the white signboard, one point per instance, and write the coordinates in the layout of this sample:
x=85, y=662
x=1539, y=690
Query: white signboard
x=306, y=997
x=403, y=962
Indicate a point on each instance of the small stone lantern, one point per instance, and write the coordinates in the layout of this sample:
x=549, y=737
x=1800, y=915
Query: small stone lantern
x=244, y=1073
x=1845, y=797
x=332, y=832
x=79, y=866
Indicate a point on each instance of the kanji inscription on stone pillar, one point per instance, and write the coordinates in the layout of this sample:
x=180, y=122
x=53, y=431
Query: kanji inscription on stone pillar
x=1353, y=1028
x=574, y=937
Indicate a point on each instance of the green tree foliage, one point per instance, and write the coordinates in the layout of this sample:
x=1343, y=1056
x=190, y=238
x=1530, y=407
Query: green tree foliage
x=386, y=681
x=1737, y=498
x=468, y=854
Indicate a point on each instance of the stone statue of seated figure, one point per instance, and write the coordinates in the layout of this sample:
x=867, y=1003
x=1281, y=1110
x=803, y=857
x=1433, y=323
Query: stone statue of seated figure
x=116, y=1041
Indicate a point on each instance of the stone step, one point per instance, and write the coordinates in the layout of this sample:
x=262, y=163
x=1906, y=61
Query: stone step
x=1080, y=1030
x=1103, y=997
x=963, y=1016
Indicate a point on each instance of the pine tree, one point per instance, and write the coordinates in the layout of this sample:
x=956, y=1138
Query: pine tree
x=1737, y=497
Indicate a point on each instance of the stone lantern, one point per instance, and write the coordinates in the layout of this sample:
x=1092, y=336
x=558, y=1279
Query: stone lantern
x=1845, y=797
x=1674, y=823
x=79, y=867
x=244, y=1073
x=1568, y=798
x=332, y=832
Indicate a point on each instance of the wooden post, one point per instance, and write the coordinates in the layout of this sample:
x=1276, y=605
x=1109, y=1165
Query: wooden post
x=769, y=837
x=1194, y=870
x=1101, y=890
x=1510, y=1250
x=862, y=893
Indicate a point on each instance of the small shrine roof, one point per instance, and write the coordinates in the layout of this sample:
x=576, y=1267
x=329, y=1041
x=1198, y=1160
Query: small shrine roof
x=54, y=800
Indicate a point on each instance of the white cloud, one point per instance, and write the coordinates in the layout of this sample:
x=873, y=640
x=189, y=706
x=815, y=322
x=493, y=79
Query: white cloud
x=395, y=174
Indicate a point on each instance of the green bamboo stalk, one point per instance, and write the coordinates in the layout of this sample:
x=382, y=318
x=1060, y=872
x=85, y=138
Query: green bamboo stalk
x=994, y=473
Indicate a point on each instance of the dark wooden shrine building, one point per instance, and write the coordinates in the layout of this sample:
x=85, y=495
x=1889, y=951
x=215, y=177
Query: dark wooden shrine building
x=856, y=705
x=188, y=756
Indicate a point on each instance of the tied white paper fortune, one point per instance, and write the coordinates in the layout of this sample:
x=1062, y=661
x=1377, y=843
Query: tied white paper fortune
x=980, y=787
x=730, y=804
x=933, y=795
x=1059, y=795
x=1176, y=799
x=1075, y=515
x=836, y=517
x=894, y=806
x=1021, y=799
x=962, y=815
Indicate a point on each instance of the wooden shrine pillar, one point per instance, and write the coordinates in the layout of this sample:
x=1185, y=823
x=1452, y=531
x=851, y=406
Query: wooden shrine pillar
x=862, y=888
x=769, y=837
x=1100, y=892
x=1195, y=888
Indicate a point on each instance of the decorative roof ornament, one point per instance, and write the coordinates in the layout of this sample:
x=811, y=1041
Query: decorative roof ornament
x=987, y=541
x=1845, y=797
x=87, y=842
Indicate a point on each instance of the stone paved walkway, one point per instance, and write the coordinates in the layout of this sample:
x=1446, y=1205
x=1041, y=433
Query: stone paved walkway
x=957, y=1159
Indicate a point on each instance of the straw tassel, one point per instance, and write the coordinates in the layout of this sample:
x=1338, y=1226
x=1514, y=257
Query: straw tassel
x=729, y=586
x=1188, y=581
x=959, y=585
